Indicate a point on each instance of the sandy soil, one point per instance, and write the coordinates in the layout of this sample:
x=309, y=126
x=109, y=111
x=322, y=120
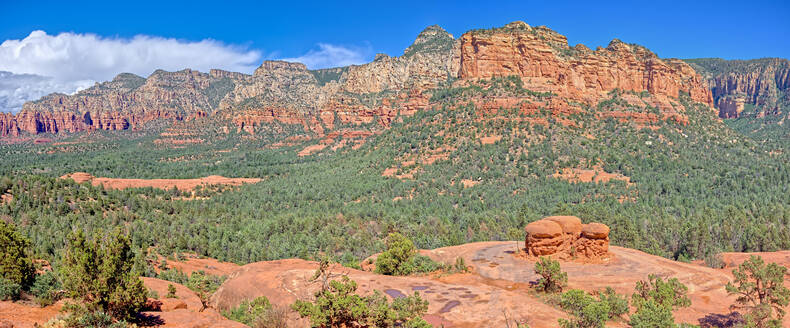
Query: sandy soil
x=181, y=184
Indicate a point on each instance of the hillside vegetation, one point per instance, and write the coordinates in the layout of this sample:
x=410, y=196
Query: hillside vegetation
x=445, y=176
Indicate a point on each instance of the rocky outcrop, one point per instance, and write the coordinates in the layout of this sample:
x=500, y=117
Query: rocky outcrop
x=373, y=95
x=544, y=237
x=565, y=237
x=594, y=241
x=126, y=102
x=762, y=83
x=576, y=72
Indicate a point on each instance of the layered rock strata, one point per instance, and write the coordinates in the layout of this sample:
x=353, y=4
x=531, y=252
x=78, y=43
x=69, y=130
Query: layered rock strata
x=374, y=94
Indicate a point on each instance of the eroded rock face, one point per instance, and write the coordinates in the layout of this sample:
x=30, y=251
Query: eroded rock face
x=763, y=83
x=594, y=241
x=575, y=72
x=567, y=238
x=544, y=238
x=376, y=93
x=126, y=102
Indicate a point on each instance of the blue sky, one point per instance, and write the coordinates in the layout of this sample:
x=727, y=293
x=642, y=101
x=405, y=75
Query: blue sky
x=745, y=29
x=68, y=45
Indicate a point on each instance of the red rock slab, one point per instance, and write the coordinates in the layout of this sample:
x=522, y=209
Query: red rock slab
x=189, y=300
x=183, y=318
x=27, y=315
x=467, y=301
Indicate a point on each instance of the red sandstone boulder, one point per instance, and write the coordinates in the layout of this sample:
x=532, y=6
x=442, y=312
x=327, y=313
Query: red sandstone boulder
x=595, y=231
x=543, y=229
x=571, y=229
x=543, y=238
x=594, y=242
x=570, y=224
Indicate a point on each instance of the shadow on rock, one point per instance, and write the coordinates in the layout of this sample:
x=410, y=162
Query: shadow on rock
x=149, y=320
x=717, y=320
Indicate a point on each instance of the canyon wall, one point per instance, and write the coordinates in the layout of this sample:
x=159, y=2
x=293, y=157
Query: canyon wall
x=543, y=56
x=762, y=83
x=372, y=95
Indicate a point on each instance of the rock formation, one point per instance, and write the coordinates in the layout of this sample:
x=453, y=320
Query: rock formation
x=762, y=83
x=567, y=238
x=575, y=72
x=372, y=94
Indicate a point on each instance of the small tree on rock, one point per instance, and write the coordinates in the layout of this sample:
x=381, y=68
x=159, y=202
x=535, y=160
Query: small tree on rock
x=395, y=260
x=338, y=305
x=761, y=291
x=552, y=279
x=655, y=299
x=171, y=291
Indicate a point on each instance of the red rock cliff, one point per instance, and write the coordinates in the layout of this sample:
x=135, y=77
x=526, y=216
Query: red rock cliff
x=578, y=73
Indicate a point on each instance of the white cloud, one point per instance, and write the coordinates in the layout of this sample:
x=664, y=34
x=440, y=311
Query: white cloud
x=43, y=63
x=328, y=55
x=69, y=56
x=16, y=89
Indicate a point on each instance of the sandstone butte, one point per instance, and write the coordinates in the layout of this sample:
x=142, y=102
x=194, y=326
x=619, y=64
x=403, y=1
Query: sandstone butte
x=290, y=94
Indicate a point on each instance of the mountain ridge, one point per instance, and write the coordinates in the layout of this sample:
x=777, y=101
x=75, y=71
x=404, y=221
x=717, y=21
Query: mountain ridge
x=372, y=93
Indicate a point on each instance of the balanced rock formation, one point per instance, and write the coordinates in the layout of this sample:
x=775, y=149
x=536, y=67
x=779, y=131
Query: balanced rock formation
x=566, y=237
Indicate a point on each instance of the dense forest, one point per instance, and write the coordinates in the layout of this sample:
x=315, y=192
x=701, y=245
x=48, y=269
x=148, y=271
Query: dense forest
x=691, y=190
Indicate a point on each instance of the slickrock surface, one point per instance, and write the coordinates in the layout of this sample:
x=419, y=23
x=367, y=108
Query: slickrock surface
x=498, y=281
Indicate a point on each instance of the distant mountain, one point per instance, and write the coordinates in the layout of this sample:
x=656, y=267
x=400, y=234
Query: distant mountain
x=755, y=92
x=373, y=95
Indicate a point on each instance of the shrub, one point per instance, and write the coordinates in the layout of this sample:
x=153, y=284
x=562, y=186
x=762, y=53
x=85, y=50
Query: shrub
x=460, y=265
x=671, y=294
x=171, y=291
x=618, y=304
x=174, y=275
x=395, y=260
x=204, y=285
x=338, y=305
x=258, y=313
x=98, y=273
x=760, y=291
x=654, y=301
x=15, y=263
x=46, y=288
x=422, y=264
x=92, y=319
x=9, y=290
x=652, y=314
x=589, y=312
x=714, y=260
x=552, y=279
